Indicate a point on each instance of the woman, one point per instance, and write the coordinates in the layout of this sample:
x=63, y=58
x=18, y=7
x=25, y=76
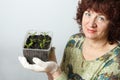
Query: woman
x=92, y=54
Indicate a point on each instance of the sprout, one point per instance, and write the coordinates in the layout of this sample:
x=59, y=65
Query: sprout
x=35, y=41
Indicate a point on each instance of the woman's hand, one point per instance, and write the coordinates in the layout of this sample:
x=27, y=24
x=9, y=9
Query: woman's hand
x=41, y=66
x=50, y=67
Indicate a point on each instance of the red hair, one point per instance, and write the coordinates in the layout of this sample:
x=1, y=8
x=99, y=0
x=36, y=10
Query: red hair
x=110, y=8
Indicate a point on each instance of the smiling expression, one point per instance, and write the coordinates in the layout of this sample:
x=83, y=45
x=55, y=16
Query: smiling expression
x=95, y=25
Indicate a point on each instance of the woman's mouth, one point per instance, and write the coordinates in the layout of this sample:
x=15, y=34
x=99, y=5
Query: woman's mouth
x=91, y=30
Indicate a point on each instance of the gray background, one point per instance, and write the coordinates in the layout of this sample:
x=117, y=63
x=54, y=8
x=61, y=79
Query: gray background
x=18, y=16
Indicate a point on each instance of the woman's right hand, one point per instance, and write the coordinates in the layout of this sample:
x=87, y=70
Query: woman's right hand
x=50, y=67
x=39, y=66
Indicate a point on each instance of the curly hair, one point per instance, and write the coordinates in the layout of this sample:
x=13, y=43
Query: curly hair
x=110, y=8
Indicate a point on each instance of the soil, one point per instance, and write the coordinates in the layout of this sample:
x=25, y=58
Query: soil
x=36, y=40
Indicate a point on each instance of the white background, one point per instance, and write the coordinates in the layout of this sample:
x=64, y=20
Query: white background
x=18, y=16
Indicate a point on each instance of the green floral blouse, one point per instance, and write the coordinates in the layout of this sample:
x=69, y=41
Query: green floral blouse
x=75, y=67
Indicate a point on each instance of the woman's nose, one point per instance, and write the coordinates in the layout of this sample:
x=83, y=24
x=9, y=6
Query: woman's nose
x=92, y=22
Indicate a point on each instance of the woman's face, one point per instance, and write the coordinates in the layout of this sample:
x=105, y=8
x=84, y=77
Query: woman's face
x=94, y=25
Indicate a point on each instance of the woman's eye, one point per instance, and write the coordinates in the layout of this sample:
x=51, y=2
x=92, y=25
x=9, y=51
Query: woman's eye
x=101, y=18
x=87, y=14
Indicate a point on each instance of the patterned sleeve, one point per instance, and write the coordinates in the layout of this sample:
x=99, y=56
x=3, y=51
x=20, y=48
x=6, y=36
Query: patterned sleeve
x=63, y=76
x=71, y=44
x=111, y=67
x=67, y=56
x=64, y=63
